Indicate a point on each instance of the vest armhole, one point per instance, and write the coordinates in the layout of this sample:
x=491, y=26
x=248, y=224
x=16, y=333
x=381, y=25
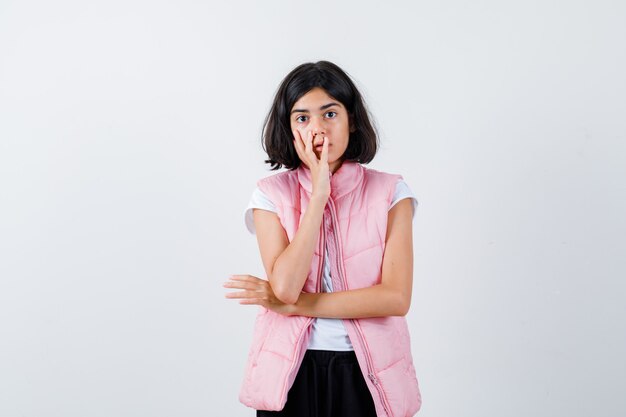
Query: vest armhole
x=393, y=179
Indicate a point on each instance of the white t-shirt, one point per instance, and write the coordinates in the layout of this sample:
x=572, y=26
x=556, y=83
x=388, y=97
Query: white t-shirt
x=326, y=334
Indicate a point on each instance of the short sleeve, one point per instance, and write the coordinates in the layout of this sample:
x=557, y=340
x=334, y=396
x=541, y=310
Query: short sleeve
x=403, y=191
x=258, y=200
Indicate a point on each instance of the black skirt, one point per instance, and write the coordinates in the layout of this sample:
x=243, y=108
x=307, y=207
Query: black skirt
x=328, y=384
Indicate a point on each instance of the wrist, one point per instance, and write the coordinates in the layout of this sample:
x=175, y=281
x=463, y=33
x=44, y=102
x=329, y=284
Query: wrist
x=292, y=309
x=319, y=199
x=302, y=306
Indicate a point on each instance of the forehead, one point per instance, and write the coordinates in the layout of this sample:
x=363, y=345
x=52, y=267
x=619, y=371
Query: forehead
x=314, y=99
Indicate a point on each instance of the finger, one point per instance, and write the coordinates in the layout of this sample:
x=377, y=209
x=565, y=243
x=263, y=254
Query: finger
x=243, y=294
x=297, y=139
x=324, y=157
x=253, y=301
x=298, y=143
x=247, y=277
x=244, y=285
x=309, y=146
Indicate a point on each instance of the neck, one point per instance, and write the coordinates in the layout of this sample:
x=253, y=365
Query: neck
x=335, y=166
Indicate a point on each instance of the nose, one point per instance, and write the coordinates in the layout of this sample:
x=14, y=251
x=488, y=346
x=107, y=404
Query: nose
x=317, y=126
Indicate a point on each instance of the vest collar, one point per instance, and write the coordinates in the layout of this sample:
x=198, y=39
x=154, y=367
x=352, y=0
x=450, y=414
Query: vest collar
x=345, y=179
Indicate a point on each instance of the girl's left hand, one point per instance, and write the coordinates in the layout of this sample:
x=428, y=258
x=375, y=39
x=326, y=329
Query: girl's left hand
x=257, y=291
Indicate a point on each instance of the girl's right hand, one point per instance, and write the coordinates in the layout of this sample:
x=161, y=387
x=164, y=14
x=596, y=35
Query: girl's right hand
x=320, y=171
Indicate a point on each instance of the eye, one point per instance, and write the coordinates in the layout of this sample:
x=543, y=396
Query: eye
x=334, y=114
x=298, y=118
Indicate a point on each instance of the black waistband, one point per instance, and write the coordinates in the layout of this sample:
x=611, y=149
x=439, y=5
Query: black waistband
x=328, y=357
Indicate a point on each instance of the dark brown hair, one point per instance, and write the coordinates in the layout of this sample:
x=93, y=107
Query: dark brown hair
x=277, y=137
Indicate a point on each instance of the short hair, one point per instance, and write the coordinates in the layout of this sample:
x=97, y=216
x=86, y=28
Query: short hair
x=277, y=136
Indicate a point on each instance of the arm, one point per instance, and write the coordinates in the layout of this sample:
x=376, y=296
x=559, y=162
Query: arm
x=392, y=297
x=287, y=264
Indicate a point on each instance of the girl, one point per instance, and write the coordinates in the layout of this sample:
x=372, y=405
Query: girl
x=330, y=337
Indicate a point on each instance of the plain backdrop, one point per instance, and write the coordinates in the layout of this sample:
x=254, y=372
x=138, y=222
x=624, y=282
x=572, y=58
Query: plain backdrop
x=130, y=144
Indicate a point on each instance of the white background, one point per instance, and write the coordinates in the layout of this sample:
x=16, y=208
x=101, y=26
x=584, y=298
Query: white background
x=130, y=143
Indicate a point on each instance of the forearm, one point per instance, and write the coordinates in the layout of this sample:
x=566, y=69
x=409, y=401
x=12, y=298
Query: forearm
x=376, y=301
x=291, y=268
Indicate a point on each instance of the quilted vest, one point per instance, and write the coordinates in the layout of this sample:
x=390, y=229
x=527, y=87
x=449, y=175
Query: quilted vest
x=354, y=228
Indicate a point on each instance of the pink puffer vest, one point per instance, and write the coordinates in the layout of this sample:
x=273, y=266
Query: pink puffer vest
x=354, y=227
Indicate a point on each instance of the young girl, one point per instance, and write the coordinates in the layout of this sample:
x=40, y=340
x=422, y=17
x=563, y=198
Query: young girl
x=330, y=337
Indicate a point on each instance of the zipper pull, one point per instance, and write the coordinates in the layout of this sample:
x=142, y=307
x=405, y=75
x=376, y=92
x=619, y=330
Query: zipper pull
x=375, y=382
x=373, y=378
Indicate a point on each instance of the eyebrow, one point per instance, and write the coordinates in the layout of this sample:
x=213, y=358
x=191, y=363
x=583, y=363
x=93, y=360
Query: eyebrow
x=325, y=106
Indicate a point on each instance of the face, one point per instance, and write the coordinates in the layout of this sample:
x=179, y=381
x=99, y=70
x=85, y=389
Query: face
x=322, y=115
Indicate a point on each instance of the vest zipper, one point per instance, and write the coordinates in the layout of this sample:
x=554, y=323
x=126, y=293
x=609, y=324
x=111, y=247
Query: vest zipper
x=355, y=324
x=323, y=252
x=310, y=320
